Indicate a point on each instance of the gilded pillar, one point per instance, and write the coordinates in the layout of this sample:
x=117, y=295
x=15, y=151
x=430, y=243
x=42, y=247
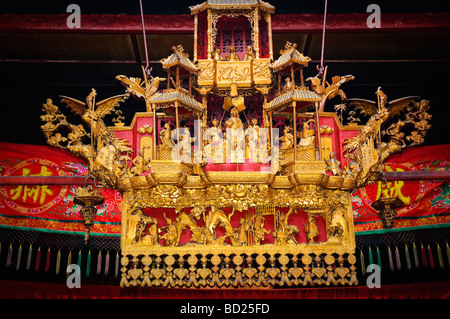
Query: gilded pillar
x=195, y=37
x=209, y=33
x=154, y=131
x=319, y=144
x=256, y=31
x=177, y=120
x=269, y=31
x=294, y=117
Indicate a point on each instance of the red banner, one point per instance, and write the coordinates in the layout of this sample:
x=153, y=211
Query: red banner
x=426, y=202
x=49, y=207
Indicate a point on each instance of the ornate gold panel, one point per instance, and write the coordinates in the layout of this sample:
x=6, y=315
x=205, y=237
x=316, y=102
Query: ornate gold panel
x=245, y=74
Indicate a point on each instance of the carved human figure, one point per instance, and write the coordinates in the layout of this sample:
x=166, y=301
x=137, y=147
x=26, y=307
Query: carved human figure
x=311, y=229
x=185, y=148
x=166, y=136
x=352, y=170
x=171, y=232
x=139, y=164
x=234, y=121
x=241, y=232
x=235, y=138
x=308, y=137
x=214, y=139
x=259, y=232
x=287, y=140
x=333, y=165
x=216, y=55
x=284, y=232
x=136, y=226
x=338, y=225
x=153, y=232
x=249, y=54
x=232, y=55
x=288, y=85
x=252, y=139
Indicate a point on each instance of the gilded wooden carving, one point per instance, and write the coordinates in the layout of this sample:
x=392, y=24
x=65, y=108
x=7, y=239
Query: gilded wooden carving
x=238, y=202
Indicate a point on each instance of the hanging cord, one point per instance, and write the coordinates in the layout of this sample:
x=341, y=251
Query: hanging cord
x=321, y=67
x=147, y=70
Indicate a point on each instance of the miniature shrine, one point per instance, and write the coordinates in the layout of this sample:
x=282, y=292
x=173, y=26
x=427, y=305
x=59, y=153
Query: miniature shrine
x=235, y=175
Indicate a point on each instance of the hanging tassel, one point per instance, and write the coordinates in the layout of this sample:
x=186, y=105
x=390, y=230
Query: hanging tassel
x=99, y=263
x=79, y=259
x=424, y=256
x=363, y=266
x=448, y=253
x=30, y=253
x=379, y=259
x=408, y=261
x=391, y=261
x=58, y=262
x=47, y=261
x=416, y=256
x=397, y=258
x=88, y=264
x=69, y=262
x=8, y=259
x=19, y=257
x=38, y=260
x=441, y=260
x=370, y=256
x=116, y=270
x=107, y=264
x=430, y=256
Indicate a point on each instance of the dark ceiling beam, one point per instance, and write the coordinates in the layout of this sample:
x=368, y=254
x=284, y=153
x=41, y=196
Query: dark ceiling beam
x=135, y=44
x=184, y=24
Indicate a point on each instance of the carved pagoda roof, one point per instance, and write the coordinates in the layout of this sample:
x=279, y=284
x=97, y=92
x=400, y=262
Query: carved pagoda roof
x=232, y=4
x=295, y=95
x=178, y=57
x=167, y=98
x=289, y=56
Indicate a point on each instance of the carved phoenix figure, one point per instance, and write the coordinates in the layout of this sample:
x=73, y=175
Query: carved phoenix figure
x=104, y=150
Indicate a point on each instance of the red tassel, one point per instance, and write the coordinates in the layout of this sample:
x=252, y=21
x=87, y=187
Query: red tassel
x=47, y=261
x=430, y=256
x=38, y=260
x=424, y=256
x=99, y=263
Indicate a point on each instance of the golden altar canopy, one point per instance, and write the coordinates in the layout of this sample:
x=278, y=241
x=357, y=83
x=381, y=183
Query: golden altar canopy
x=236, y=201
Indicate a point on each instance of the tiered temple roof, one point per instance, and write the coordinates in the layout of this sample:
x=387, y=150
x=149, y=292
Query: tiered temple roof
x=288, y=57
x=178, y=57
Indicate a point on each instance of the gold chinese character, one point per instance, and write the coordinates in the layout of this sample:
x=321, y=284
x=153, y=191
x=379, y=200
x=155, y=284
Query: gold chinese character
x=392, y=189
x=35, y=192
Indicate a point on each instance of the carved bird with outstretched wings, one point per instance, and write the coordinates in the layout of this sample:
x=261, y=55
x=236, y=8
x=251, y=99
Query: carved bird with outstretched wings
x=378, y=113
x=328, y=91
x=141, y=89
x=371, y=108
x=92, y=114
